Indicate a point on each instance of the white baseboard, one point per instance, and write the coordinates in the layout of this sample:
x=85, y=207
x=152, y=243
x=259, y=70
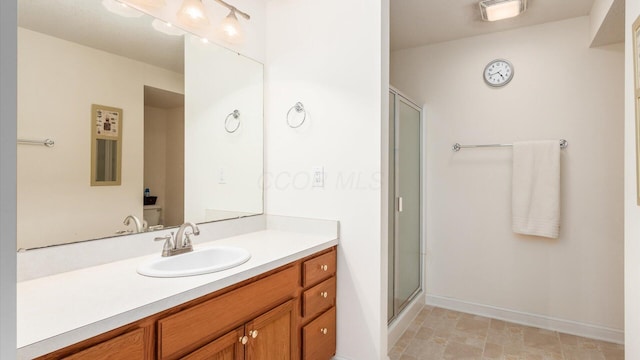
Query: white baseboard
x=519, y=317
x=401, y=323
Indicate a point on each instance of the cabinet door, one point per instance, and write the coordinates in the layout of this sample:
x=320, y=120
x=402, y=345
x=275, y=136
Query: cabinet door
x=271, y=334
x=226, y=347
x=127, y=346
x=181, y=333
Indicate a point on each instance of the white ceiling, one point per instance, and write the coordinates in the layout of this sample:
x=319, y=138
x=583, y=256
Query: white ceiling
x=420, y=22
x=413, y=23
x=88, y=23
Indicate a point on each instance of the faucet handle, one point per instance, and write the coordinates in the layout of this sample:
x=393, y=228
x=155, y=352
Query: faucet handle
x=187, y=240
x=166, y=238
x=168, y=244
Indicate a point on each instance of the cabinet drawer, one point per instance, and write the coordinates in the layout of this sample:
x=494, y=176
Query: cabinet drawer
x=318, y=268
x=319, y=337
x=124, y=347
x=319, y=298
x=187, y=330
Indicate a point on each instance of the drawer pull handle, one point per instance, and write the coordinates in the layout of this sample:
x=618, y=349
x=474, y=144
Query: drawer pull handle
x=244, y=340
x=324, y=294
x=324, y=267
x=324, y=331
x=253, y=333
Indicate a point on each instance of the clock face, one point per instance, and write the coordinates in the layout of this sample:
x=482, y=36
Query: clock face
x=498, y=73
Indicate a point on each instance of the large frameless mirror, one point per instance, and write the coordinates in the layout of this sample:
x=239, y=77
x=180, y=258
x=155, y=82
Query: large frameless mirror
x=171, y=158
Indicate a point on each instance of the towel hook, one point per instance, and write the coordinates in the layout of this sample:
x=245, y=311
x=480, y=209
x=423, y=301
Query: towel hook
x=299, y=109
x=236, y=115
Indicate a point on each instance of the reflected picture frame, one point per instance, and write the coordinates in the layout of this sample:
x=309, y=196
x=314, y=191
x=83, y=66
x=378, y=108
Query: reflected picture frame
x=636, y=93
x=106, y=145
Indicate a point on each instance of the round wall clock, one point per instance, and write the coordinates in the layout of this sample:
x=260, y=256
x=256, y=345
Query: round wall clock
x=498, y=73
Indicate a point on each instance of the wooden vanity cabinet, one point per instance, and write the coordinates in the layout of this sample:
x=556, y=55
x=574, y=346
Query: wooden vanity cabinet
x=318, y=313
x=284, y=314
x=227, y=347
x=133, y=341
x=130, y=345
x=259, y=339
x=270, y=335
x=195, y=326
x=319, y=337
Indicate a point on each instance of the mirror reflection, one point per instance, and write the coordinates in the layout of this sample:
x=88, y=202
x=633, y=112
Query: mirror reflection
x=178, y=163
x=106, y=143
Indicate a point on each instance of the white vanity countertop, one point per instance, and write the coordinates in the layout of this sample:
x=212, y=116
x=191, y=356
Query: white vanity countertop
x=60, y=310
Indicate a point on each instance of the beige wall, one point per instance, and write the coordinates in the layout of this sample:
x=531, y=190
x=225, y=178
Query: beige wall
x=561, y=89
x=57, y=83
x=632, y=210
x=174, y=194
x=164, y=161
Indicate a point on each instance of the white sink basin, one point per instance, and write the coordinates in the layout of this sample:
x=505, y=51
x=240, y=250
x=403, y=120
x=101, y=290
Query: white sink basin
x=197, y=262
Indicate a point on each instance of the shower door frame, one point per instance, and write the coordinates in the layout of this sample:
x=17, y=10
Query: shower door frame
x=393, y=198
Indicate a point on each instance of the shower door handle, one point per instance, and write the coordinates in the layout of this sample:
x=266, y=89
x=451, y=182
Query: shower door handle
x=399, y=203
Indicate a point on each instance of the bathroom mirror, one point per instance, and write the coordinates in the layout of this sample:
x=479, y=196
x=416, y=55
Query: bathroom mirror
x=73, y=54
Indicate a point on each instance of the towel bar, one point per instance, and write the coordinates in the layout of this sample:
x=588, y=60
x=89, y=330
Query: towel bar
x=456, y=147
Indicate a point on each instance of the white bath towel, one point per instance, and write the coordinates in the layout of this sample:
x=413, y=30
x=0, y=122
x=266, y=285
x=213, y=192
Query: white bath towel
x=535, y=185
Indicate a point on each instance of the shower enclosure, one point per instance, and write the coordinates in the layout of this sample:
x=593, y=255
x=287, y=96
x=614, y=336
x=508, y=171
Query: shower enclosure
x=405, y=169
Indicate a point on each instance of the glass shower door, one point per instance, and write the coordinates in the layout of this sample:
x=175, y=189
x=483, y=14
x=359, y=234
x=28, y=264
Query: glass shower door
x=405, y=266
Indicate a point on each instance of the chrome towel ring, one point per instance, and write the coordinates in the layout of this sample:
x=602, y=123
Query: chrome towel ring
x=299, y=109
x=236, y=115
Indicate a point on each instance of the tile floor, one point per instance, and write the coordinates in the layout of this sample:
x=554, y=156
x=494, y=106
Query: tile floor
x=438, y=334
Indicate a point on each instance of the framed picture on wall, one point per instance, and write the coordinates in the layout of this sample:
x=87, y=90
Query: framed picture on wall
x=106, y=145
x=636, y=75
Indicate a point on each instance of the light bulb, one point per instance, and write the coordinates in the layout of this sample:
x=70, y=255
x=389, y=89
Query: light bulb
x=192, y=13
x=231, y=28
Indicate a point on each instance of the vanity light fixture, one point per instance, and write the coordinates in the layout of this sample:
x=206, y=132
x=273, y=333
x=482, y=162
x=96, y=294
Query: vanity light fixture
x=192, y=13
x=192, y=17
x=121, y=8
x=230, y=26
x=231, y=29
x=492, y=10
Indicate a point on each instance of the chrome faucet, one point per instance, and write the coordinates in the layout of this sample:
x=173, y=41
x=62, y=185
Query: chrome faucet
x=182, y=237
x=136, y=221
x=181, y=243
